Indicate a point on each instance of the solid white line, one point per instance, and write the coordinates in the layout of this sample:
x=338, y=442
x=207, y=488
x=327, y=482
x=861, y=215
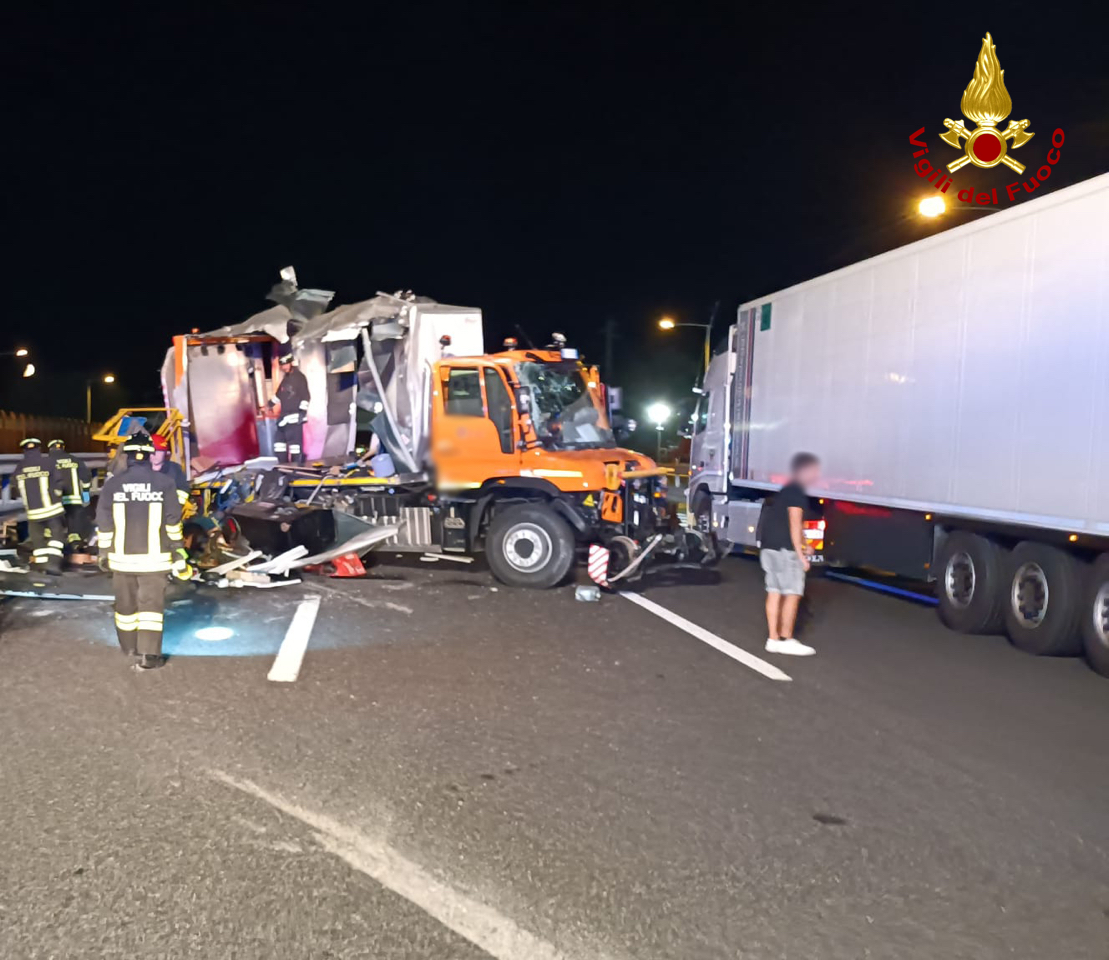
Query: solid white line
x=728, y=649
x=286, y=665
x=481, y=925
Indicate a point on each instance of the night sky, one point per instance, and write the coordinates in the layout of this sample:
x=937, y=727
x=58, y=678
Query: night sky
x=554, y=164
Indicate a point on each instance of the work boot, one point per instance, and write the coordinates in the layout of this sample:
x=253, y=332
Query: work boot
x=149, y=661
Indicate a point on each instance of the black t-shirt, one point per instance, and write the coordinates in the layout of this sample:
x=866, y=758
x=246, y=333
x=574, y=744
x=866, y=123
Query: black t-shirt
x=775, y=518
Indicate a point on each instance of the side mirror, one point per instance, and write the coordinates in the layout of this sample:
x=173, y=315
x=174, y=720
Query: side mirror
x=523, y=401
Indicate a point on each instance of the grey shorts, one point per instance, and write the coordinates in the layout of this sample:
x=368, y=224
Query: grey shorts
x=784, y=573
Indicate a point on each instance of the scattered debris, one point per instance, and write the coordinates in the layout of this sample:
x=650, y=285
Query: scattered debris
x=587, y=593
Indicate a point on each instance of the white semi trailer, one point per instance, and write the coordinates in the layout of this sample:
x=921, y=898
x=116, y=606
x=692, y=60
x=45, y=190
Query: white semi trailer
x=957, y=391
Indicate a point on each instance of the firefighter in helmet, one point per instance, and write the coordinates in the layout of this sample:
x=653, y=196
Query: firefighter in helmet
x=139, y=522
x=291, y=403
x=40, y=486
x=75, y=492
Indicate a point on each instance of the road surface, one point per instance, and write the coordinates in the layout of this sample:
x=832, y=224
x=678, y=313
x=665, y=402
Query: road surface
x=461, y=771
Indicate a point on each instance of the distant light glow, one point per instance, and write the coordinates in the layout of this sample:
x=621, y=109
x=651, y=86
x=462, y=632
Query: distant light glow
x=658, y=413
x=666, y=323
x=108, y=378
x=28, y=371
x=21, y=352
x=214, y=634
x=932, y=206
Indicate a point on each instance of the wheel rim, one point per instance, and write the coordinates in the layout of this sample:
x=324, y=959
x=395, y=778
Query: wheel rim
x=527, y=547
x=1030, y=595
x=1101, y=614
x=959, y=580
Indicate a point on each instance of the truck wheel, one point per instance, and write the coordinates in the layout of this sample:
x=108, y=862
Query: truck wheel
x=969, y=583
x=1042, y=600
x=701, y=508
x=529, y=545
x=1095, y=616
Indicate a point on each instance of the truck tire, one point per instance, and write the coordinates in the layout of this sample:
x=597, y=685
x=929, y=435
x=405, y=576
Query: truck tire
x=1043, y=587
x=701, y=509
x=529, y=545
x=1095, y=616
x=969, y=583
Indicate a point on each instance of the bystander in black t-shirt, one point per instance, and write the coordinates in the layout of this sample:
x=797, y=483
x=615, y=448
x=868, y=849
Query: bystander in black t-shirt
x=775, y=517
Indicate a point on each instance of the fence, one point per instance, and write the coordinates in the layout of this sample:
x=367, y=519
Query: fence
x=77, y=434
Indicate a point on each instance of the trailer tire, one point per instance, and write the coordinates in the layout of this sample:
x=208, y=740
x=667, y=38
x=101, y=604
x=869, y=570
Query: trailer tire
x=1043, y=587
x=529, y=545
x=1095, y=616
x=969, y=583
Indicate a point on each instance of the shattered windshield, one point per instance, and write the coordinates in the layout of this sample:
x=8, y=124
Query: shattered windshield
x=562, y=407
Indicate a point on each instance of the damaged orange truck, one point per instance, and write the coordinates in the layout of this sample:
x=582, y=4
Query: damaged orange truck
x=509, y=454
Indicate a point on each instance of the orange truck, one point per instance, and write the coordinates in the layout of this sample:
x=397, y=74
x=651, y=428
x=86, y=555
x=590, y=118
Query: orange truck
x=509, y=454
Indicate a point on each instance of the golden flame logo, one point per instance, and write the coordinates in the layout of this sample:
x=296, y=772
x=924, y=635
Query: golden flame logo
x=985, y=100
x=987, y=103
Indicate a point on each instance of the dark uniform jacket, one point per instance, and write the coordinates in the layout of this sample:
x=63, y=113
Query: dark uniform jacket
x=293, y=394
x=40, y=485
x=172, y=469
x=139, y=520
x=77, y=477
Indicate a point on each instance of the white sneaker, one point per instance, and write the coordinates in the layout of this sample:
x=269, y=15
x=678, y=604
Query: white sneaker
x=792, y=648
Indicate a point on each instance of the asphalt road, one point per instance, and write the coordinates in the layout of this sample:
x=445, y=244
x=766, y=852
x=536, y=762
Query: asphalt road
x=462, y=771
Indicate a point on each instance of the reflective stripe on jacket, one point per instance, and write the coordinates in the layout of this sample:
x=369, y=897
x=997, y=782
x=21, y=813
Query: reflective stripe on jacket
x=139, y=520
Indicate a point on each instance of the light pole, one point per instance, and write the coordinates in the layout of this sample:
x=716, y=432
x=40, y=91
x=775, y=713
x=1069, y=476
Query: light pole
x=669, y=323
x=658, y=413
x=107, y=378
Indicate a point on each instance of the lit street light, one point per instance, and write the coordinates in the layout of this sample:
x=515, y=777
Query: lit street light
x=935, y=206
x=932, y=206
x=669, y=323
x=107, y=378
x=658, y=413
x=28, y=371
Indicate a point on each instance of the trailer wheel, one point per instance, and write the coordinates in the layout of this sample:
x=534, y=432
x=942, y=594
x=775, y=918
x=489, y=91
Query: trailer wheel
x=969, y=583
x=1095, y=616
x=1042, y=600
x=529, y=545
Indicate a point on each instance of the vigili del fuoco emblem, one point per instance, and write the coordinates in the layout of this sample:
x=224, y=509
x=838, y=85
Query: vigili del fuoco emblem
x=987, y=103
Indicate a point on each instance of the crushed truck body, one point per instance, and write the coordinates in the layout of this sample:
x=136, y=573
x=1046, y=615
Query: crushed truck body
x=412, y=429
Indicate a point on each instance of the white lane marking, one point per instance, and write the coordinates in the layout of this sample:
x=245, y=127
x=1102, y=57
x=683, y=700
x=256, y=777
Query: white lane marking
x=478, y=923
x=286, y=665
x=728, y=649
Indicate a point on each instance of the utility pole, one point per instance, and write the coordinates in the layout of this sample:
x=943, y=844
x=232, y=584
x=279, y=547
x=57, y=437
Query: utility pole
x=609, y=331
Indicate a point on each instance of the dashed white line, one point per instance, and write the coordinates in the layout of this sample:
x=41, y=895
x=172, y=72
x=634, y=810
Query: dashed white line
x=728, y=649
x=286, y=665
x=482, y=925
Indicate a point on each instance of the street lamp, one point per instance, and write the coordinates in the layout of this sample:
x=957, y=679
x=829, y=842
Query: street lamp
x=658, y=413
x=932, y=206
x=28, y=371
x=669, y=323
x=107, y=378
x=935, y=206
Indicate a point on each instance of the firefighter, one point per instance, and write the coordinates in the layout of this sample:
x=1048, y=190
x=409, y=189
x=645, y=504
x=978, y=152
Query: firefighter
x=139, y=522
x=75, y=493
x=171, y=468
x=40, y=486
x=291, y=405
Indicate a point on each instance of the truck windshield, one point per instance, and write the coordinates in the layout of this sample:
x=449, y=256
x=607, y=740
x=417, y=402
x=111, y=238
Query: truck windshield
x=563, y=409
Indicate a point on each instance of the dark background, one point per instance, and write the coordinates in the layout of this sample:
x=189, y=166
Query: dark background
x=555, y=164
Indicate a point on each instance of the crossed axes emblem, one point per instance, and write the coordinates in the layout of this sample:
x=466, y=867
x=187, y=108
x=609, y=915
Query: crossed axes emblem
x=956, y=130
